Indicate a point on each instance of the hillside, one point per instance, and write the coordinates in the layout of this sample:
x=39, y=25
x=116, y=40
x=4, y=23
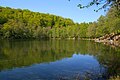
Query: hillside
x=25, y=24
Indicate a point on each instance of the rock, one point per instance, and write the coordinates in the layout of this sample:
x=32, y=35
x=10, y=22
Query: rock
x=110, y=39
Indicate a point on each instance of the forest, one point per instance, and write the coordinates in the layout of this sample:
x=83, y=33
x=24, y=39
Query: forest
x=25, y=24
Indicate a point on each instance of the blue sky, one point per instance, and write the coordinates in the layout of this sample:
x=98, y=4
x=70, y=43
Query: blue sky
x=62, y=8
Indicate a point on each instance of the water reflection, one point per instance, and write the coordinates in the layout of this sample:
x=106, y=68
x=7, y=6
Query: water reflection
x=57, y=59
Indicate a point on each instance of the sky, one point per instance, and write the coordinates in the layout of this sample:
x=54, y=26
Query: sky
x=64, y=8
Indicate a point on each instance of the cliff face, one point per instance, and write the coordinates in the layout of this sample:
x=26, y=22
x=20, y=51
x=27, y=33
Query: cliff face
x=110, y=39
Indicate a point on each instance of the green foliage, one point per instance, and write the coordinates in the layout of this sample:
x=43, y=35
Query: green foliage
x=24, y=24
x=3, y=20
x=17, y=23
x=105, y=24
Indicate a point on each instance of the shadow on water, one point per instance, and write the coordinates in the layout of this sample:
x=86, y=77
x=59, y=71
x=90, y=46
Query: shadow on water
x=57, y=59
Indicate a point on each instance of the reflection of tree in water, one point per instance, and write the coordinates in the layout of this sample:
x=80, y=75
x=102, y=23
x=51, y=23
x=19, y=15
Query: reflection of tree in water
x=25, y=53
x=16, y=54
x=110, y=58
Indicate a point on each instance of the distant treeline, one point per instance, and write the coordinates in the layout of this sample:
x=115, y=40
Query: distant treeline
x=24, y=24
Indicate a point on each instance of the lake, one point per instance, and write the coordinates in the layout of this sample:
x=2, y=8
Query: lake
x=57, y=60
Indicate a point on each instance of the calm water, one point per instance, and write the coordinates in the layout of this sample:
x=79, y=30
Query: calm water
x=57, y=60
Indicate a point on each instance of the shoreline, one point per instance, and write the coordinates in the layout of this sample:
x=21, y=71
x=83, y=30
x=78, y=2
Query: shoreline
x=115, y=41
x=110, y=39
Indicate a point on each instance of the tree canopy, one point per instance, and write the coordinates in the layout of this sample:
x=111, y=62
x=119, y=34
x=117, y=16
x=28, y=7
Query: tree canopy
x=104, y=4
x=24, y=24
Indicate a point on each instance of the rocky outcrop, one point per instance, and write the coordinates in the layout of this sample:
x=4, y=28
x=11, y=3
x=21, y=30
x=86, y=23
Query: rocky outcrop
x=110, y=39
